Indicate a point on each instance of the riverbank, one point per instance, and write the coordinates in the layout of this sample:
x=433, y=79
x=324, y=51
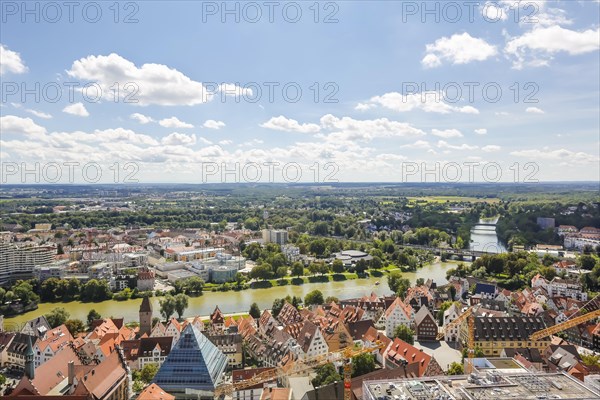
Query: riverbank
x=240, y=301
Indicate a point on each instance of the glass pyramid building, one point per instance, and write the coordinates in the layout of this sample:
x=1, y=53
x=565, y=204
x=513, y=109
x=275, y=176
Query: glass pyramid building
x=193, y=365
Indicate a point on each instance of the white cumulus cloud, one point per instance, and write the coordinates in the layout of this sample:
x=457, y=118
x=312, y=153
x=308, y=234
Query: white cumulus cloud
x=141, y=118
x=537, y=47
x=14, y=124
x=39, y=114
x=445, y=145
x=174, y=122
x=212, y=124
x=176, y=138
x=282, y=123
x=564, y=155
x=76, y=109
x=430, y=101
x=145, y=85
x=10, y=61
x=457, y=49
x=534, y=110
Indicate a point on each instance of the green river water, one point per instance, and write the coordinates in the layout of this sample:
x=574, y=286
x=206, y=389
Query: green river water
x=233, y=302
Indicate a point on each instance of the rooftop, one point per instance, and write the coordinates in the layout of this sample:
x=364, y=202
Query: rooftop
x=491, y=385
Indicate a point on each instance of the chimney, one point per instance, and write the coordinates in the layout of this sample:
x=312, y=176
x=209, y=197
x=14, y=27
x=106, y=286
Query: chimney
x=71, y=372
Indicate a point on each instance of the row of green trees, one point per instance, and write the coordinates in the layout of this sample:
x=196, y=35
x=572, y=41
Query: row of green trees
x=94, y=290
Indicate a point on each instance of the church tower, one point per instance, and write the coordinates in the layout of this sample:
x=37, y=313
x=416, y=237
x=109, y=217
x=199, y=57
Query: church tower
x=145, y=316
x=29, y=366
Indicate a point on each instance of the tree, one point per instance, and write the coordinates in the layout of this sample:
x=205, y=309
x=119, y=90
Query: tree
x=93, y=315
x=147, y=373
x=75, y=326
x=394, y=280
x=277, y=306
x=587, y=262
x=326, y=374
x=477, y=353
x=321, y=228
x=95, y=290
x=337, y=266
x=48, y=288
x=337, y=228
x=324, y=268
x=398, y=284
x=239, y=280
x=363, y=364
x=314, y=297
x=167, y=306
x=281, y=272
x=2, y=379
x=260, y=272
x=317, y=247
x=403, y=332
x=254, y=311
x=330, y=299
x=314, y=268
x=181, y=303
x=23, y=290
x=189, y=286
x=296, y=301
x=361, y=266
x=376, y=262
x=251, y=223
x=138, y=386
x=72, y=290
x=57, y=317
x=440, y=314
x=297, y=269
x=420, y=282
x=456, y=368
x=591, y=360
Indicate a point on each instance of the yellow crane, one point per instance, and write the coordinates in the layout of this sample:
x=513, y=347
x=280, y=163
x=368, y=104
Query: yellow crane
x=467, y=315
x=302, y=366
x=564, y=325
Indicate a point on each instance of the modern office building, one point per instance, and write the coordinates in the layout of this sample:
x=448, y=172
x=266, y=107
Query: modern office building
x=18, y=262
x=275, y=236
x=193, y=368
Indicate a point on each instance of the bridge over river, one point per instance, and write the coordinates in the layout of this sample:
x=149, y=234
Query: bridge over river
x=454, y=252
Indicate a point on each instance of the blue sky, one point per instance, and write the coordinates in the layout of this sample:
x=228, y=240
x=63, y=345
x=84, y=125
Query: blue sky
x=387, y=107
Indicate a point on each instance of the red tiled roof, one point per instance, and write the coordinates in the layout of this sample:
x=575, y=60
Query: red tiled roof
x=155, y=392
x=399, y=350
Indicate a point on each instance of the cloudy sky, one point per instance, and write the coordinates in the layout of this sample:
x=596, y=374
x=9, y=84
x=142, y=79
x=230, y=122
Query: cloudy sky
x=345, y=90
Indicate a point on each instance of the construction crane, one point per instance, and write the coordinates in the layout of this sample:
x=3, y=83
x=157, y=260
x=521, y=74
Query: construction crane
x=302, y=366
x=347, y=354
x=467, y=315
x=564, y=325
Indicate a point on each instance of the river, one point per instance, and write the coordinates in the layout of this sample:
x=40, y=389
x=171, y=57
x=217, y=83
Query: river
x=232, y=301
x=484, y=237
